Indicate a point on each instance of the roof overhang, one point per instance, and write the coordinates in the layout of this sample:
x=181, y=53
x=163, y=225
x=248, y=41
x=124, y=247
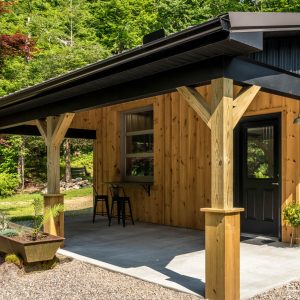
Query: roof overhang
x=191, y=57
x=32, y=130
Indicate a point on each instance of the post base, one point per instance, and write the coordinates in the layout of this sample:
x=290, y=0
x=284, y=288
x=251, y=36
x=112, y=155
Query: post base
x=54, y=226
x=222, y=253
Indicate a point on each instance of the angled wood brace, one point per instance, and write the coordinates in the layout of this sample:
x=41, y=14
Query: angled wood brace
x=204, y=110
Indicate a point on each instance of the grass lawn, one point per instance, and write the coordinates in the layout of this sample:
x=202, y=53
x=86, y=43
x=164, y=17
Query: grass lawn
x=18, y=207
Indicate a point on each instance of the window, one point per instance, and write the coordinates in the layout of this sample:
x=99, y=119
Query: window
x=138, y=145
x=260, y=152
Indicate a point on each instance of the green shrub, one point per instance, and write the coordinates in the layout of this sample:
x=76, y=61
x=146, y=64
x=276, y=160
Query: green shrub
x=3, y=221
x=83, y=160
x=291, y=214
x=13, y=259
x=8, y=184
x=9, y=232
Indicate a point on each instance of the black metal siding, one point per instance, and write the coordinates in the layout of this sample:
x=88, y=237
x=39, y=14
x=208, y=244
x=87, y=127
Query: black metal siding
x=283, y=53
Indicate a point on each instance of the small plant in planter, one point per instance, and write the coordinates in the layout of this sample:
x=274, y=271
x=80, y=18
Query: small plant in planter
x=291, y=214
x=31, y=244
x=40, y=219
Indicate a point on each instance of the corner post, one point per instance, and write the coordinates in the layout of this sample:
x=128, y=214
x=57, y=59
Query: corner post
x=53, y=130
x=222, y=221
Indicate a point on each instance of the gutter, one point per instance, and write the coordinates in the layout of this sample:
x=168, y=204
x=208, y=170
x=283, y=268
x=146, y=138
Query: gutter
x=139, y=53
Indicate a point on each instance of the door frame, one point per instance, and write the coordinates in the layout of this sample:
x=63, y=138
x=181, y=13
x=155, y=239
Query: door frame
x=237, y=164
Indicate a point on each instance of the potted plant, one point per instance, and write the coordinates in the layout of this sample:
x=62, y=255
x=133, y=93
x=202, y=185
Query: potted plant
x=30, y=243
x=291, y=214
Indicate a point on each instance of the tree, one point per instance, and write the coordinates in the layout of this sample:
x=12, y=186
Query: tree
x=121, y=24
x=16, y=44
x=53, y=25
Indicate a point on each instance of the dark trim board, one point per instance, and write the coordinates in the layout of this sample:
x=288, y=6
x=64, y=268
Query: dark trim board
x=33, y=131
x=271, y=79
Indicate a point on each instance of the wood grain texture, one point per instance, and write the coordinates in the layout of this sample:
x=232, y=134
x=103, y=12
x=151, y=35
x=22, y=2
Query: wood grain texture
x=54, y=226
x=169, y=191
x=242, y=101
x=56, y=130
x=222, y=144
x=197, y=102
x=175, y=150
x=222, y=255
x=63, y=123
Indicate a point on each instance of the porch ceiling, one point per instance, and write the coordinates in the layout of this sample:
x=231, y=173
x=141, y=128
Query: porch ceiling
x=191, y=57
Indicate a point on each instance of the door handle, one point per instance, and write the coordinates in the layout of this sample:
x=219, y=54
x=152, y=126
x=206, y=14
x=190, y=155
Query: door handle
x=275, y=183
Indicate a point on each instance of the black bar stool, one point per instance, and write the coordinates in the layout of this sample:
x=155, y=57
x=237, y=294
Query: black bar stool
x=121, y=202
x=104, y=200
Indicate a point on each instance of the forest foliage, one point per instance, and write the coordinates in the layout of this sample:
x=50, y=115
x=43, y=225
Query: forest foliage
x=62, y=35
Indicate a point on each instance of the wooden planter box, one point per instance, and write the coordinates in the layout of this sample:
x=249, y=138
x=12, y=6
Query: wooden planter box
x=31, y=251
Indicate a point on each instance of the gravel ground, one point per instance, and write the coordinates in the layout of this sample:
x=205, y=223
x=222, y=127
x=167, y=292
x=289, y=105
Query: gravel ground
x=73, y=279
x=288, y=291
x=77, y=280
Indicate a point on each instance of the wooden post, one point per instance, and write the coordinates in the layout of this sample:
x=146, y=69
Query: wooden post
x=222, y=221
x=54, y=226
x=53, y=130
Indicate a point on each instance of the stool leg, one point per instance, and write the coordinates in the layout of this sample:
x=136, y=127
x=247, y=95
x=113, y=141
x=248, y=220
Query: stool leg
x=107, y=210
x=119, y=210
x=123, y=212
x=112, y=207
x=95, y=208
x=129, y=204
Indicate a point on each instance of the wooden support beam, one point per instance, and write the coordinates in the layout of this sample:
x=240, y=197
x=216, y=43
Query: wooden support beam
x=42, y=127
x=222, y=254
x=53, y=169
x=62, y=126
x=197, y=102
x=242, y=102
x=53, y=131
x=222, y=144
x=54, y=226
x=222, y=221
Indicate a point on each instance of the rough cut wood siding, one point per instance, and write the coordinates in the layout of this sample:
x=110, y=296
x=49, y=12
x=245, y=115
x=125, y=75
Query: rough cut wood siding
x=182, y=156
x=86, y=119
x=181, y=160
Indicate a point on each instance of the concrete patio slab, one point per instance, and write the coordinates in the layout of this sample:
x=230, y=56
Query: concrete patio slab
x=175, y=257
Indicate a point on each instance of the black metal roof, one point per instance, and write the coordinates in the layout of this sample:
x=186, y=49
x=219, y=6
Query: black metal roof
x=190, y=57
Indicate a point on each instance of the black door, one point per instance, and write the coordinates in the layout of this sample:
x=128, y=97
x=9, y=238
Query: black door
x=258, y=175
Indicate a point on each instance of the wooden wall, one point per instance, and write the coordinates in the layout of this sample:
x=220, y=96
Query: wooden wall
x=182, y=156
x=180, y=186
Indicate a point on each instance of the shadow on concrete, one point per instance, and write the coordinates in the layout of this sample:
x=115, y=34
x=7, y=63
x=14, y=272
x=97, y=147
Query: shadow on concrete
x=141, y=246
